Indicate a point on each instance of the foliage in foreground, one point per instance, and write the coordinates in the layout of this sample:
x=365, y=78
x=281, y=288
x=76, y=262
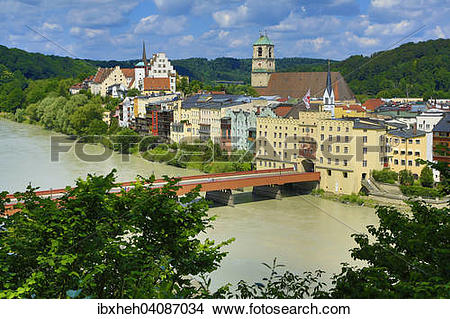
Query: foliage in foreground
x=143, y=244
x=93, y=243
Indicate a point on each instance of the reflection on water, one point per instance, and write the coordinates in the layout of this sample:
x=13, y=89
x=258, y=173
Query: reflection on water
x=303, y=232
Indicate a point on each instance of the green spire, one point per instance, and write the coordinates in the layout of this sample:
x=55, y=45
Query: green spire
x=263, y=40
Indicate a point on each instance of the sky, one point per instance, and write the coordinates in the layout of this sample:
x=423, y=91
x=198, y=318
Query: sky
x=115, y=29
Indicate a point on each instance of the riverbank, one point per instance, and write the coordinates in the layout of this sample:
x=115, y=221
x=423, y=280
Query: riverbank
x=361, y=200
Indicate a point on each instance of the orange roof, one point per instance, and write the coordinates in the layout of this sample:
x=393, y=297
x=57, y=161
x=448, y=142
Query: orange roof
x=353, y=107
x=77, y=86
x=129, y=73
x=281, y=111
x=156, y=84
x=372, y=104
x=131, y=83
x=102, y=74
x=217, y=92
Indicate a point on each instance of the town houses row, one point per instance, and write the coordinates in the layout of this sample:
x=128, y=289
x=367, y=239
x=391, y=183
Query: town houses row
x=307, y=120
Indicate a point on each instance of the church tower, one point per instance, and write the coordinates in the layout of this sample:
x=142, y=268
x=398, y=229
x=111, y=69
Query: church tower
x=263, y=61
x=328, y=95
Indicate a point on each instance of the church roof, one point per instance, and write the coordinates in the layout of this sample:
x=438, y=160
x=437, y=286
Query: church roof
x=140, y=64
x=263, y=40
x=296, y=84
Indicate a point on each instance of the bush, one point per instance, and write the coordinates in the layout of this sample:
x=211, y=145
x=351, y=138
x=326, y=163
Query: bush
x=353, y=198
x=426, y=177
x=385, y=176
x=406, y=178
x=415, y=191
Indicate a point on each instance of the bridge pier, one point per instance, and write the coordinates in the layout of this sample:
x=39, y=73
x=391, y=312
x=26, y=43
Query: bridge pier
x=272, y=191
x=224, y=196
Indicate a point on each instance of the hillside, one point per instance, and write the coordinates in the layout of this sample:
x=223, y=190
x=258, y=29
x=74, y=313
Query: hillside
x=39, y=66
x=417, y=69
x=228, y=69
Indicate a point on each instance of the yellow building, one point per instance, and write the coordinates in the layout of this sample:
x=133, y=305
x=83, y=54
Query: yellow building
x=349, y=150
x=405, y=147
x=344, y=151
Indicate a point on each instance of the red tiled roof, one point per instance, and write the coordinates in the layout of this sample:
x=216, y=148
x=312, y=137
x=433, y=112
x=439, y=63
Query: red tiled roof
x=131, y=83
x=281, y=111
x=217, y=92
x=156, y=84
x=102, y=74
x=89, y=78
x=77, y=86
x=129, y=73
x=285, y=99
x=296, y=84
x=372, y=104
x=353, y=107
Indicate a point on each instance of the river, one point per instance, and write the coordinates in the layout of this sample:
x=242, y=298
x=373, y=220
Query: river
x=303, y=232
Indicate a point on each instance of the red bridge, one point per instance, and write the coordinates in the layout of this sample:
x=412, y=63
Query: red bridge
x=218, y=187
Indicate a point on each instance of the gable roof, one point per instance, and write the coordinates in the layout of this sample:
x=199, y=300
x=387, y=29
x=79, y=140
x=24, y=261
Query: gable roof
x=102, y=74
x=282, y=110
x=296, y=84
x=129, y=73
x=156, y=84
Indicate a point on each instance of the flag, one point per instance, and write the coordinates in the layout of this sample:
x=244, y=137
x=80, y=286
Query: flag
x=307, y=98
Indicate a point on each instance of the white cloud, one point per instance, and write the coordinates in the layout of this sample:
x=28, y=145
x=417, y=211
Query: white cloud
x=313, y=45
x=399, y=28
x=361, y=41
x=161, y=25
x=231, y=18
x=186, y=40
x=385, y=3
x=51, y=27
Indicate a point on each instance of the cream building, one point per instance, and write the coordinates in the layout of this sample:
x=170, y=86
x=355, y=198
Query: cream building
x=405, y=147
x=106, y=77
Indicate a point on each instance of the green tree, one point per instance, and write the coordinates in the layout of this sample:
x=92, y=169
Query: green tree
x=133, y=92
x=93, y=243
x=125, y=140
x=426, y=177
x=405, y=177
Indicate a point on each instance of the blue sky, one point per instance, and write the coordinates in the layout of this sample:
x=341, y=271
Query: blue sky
x=115, y=29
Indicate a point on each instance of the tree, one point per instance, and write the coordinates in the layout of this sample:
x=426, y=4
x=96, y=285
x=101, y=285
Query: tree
x=133, y=92
x=125, y=139
x=93, y=243
x=405, y=177
x=426, y=177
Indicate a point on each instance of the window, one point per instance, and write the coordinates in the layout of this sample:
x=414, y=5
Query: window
x=345, y=174
x=409, y=163
x=279, y=135
x=279, y=144
x=321, y=160
x=329, y=172
x=265, y=134
x=410, y=141
x=285, y=155
x=346, y=129
x=417, y=153
x=346, y=139
x=395, y=152
x=338, y=128
x=345, y=162
x=329, y=161
x=403, y=141
x=322, y=137
x=403, y=162
x=321, y=147
x=295, y=136
x=330, y=138
x=336, y=161
x=260, y=50
x=331, y=128
x=322, y=128
x=396, y=161
x=338, y=138
x=338, y=149
x=275, y=135
x=274, y=153
x=409, y=152
x=417, y=141
x=402, y=152
x=364, y=139
x=364, y=164
x=329, y=149
x=364, y=150
x=346, y=150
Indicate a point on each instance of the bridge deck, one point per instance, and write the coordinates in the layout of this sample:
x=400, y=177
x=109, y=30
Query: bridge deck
x=213, y=182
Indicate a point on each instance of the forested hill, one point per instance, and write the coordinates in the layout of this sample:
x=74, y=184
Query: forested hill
x=418, y=69
x=39, y=66
x=228, y=69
